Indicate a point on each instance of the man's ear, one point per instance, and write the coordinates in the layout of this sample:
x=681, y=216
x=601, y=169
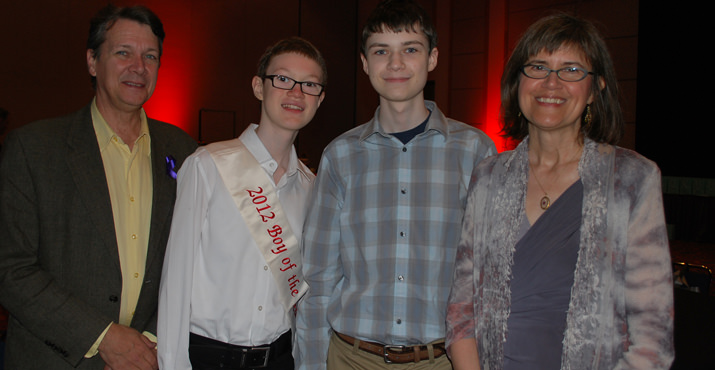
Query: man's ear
x=257, y=85
x=91, y=63
x=364, y=63
x=432, y=62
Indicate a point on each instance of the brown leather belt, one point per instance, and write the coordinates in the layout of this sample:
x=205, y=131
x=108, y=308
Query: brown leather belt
x=396, y=353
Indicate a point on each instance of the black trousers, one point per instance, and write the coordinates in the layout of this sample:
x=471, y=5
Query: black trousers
x=210, y=354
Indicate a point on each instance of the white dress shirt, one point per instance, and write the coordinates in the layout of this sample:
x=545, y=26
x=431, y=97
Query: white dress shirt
x=215, y=281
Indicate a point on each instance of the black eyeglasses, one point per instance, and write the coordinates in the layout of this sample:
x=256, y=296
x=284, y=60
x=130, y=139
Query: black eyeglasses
x=287, y=83
x=568, y=74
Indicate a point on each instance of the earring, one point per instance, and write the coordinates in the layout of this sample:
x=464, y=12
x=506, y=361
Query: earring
x=587, y=118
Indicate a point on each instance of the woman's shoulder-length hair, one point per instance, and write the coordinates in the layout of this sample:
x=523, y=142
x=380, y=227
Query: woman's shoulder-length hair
x=552, y=33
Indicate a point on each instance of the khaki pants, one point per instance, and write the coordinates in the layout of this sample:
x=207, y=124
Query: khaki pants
x=342, y=356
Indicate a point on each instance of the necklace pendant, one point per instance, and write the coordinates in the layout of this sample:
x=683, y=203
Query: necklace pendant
x=545, y=202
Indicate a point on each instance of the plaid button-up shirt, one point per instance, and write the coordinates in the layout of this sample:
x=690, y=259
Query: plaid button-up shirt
x=381, y=235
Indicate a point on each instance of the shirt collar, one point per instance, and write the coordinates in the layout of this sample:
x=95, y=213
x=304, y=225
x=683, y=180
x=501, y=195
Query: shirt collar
x=437, y=122
x=253, y=143
x=105, y=134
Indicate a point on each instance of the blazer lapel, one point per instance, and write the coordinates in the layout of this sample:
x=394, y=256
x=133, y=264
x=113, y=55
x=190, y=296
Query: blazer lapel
x=163, y=194
x=87, y=169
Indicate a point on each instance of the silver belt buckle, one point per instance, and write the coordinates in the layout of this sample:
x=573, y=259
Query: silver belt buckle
x=251, y=353
x=391, y=347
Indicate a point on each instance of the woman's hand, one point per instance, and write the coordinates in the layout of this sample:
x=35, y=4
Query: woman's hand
x=464, y=354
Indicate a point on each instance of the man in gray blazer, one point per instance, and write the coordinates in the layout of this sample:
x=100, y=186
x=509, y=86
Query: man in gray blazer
x=86, y=203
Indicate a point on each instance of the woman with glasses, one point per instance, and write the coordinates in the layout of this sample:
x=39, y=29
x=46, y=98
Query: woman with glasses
x=563, y=261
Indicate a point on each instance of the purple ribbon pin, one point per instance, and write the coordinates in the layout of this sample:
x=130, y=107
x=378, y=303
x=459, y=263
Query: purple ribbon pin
x=170, y=165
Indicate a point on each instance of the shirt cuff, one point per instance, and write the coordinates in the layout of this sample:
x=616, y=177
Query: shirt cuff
x=95, y=347
x=149, y=335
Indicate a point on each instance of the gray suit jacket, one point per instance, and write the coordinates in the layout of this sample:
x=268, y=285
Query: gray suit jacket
x=60, y=276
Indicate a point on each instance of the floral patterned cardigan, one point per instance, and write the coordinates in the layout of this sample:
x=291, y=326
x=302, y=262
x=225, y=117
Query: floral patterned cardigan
x=621, y=309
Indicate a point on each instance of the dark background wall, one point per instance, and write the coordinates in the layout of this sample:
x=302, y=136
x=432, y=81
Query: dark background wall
x=212, y=47
x=675, y=89
x=210, y=56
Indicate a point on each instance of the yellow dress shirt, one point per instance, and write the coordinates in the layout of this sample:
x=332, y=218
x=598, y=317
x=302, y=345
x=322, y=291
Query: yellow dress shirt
x=129, y=178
